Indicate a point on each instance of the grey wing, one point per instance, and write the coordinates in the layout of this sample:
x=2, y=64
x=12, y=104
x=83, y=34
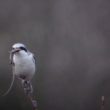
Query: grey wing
x=34, y=58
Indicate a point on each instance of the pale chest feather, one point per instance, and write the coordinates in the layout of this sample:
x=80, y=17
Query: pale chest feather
x=22, y=60
x=24, y=64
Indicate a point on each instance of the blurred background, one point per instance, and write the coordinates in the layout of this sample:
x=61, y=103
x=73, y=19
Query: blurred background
x=71, y=41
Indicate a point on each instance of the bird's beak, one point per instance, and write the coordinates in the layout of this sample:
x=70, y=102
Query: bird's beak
x=15, y=50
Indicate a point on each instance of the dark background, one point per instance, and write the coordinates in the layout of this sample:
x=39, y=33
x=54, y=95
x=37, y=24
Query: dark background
x=71, y=40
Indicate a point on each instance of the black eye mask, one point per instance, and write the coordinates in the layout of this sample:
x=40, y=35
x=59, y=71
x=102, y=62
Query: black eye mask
x=23, y=48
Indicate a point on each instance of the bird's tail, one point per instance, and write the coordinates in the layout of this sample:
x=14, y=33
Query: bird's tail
x=9, y=89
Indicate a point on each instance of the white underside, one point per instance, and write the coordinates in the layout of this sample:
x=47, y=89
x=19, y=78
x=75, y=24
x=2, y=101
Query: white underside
x=24, y=65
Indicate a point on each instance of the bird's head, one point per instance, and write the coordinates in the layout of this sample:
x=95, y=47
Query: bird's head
x=18, y=47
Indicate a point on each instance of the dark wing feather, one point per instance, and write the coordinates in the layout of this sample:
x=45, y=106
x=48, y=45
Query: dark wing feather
x=34, y=58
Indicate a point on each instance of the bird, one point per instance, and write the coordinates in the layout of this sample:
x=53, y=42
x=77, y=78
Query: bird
x=23, y=67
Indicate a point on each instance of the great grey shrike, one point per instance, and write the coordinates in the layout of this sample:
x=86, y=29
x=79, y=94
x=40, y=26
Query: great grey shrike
x=23, y=65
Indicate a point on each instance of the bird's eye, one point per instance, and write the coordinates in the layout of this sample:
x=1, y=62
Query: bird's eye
x=23, y=48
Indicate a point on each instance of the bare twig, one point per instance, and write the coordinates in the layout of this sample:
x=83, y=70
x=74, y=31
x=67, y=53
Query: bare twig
x=102, y=102
x=33, y=102
x=28, y=90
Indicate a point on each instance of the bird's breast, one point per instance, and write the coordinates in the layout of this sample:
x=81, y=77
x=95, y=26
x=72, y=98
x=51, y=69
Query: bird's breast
x=24, y=66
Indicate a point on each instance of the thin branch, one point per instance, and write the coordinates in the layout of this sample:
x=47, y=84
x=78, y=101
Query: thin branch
x=102, y=102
